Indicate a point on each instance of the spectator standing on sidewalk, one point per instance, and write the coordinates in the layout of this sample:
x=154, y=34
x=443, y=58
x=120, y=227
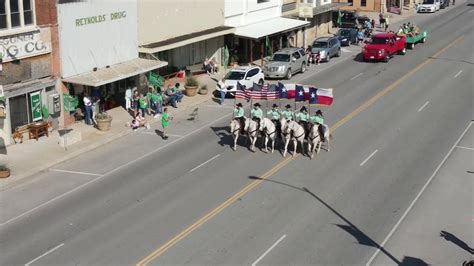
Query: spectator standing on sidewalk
x=381, y=20
x=143, y=102
x=387, y=23
x=128, y=99
x=95, y=108
x=88, y=108
x=165, y=118
x=135, y=101
x=360, y=36
x=158, y=102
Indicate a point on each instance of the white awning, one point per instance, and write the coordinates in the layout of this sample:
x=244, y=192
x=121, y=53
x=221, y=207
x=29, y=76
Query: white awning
x=115, y=72
x=269, y=27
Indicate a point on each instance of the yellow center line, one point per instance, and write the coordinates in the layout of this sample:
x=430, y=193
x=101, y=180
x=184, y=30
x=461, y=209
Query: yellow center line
x=278, y=166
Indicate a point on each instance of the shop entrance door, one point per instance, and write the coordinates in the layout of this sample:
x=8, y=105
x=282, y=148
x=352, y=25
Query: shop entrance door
x=18, y=111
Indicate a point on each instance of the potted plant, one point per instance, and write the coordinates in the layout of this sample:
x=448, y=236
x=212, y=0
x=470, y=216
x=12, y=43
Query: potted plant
x=103, y=121
x=191, y=86
x=203, y=90
x=4, y=171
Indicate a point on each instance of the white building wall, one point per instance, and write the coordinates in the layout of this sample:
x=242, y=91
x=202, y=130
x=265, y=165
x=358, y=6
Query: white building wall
x=244, y=12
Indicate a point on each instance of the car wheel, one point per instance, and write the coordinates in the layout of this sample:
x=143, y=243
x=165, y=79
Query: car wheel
x=260, y=82
x=403, y=51
x=289, y=74
x=328, y=58
x=423, y=40
x=411, y=46
x=303, y=67
x=338, y=53
x=385, y=60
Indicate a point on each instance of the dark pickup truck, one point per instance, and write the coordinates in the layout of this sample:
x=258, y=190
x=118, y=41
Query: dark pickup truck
x=349, y=19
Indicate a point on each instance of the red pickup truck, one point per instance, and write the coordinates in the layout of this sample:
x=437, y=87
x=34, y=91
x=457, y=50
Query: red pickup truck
x=382, y=46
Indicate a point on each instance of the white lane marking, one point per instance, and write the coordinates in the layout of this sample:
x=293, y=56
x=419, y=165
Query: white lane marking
x=368, y=158
x=205, y=162
x=268, y=250
x=471, y=11
x=459, y=73
x=416, y=198
x=114, y=170
x=44, y=254
x=356, y=76
x=423, y=107
x=466, y=148
x=72, y=172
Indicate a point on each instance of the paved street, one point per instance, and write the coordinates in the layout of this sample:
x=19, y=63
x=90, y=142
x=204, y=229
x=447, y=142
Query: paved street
x=192, y=200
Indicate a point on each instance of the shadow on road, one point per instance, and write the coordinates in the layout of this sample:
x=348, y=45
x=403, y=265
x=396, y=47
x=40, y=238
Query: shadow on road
x=458, y=242
x=349, y=227
x=225, y=138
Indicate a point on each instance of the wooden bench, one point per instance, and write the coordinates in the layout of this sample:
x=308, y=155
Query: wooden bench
x=196, y=69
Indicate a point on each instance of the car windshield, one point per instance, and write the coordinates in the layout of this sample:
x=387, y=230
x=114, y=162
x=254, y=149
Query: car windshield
x=235, y=75
x=379, y=41
x=281, y=57
x=428, y=2
x=320, y=45
x=343, y=32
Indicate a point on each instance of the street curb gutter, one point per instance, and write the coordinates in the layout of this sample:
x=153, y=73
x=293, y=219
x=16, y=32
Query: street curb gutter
x=45, y=167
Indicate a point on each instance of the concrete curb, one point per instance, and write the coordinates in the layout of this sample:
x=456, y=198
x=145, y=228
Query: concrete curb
x=93, y=146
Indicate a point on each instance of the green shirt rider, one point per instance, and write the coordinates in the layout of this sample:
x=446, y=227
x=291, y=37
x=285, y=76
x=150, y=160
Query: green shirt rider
x=318, y=120
x=288, y=114
x=302, y=116
x=274, y=115
x=239, y=116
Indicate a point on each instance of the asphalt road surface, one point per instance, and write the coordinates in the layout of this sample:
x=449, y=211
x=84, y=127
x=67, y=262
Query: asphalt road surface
x=192, y=200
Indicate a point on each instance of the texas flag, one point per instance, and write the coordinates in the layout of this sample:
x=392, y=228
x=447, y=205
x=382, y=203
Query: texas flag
x=320, y=96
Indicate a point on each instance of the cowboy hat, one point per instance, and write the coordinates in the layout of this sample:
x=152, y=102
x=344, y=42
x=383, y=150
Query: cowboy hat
x=275, y=105
x=288, y=106
x=303, y=108
x=319, y=112
x=257, y=104
x=239, y=104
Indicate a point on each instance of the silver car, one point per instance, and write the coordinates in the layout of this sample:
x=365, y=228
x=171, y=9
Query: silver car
x=327, y=47
x=285, y=63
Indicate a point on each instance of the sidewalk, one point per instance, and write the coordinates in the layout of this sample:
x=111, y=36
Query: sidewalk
x=33, y=156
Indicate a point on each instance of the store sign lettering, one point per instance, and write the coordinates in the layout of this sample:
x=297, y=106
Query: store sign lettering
x=100, y=18
x=17, y=47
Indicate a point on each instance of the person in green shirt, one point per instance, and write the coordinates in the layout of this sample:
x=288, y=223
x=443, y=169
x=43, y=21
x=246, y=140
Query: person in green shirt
x=318, y=120
x=143, y=103
x=157, y=102
x=302, y=116
x=257, y=114
x=165, y=118
x=274, y=115
x=239, y=116
x=288, y=114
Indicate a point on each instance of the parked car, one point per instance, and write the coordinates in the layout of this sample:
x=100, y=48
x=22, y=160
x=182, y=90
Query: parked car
x=245, y=75
x=347, y=36
x=327, y=47
x=383, y=46
x=349, y=19
x=430, y=6
x=285, y=63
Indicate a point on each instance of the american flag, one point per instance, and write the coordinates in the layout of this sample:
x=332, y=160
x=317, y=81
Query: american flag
x=263, y=92
x=241, y=92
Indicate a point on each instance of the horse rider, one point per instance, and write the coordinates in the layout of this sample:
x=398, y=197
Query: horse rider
x=288, y=114
x=303, y=118
x=257, y=114
x=275, y=115
x=239, y=116
x=318, y=120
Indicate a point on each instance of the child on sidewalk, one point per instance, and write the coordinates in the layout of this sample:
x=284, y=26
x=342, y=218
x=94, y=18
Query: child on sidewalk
x=165, y=118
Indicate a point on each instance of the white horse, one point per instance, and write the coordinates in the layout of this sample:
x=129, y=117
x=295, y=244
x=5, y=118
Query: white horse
x=270, y=131
x=235, y=128
x=251, y=127
x=314, y=140
x=294, y=131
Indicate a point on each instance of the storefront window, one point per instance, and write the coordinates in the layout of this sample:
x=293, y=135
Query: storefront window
x=27, y=12
x=3, y=15
x=16, y=13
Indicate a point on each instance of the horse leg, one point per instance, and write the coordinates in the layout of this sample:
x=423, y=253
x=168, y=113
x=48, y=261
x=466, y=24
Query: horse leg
x=327, y=143
x=295, y=146
x=236, y=137
x=286, y=147
x=273, y=144
x=254, y=139
x=266, y=143
x=319, y=144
